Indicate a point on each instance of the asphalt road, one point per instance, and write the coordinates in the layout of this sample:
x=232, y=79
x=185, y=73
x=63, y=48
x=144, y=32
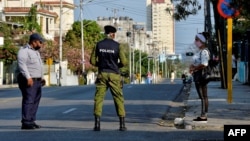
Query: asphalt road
x=66, y=113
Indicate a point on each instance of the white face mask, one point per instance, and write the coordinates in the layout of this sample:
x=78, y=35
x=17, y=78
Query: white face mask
x=198, y=44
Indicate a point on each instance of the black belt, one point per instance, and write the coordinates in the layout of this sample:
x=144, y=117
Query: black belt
x=37, y=79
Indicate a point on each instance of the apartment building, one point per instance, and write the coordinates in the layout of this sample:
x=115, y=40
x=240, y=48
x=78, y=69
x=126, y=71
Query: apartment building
x=122, y=24
x=48, y=14
x=161, y=23
x=128, y=31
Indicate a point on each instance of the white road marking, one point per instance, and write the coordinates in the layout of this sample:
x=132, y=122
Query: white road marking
x=70, y=110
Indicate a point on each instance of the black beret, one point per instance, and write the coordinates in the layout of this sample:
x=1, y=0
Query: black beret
x=109, y=29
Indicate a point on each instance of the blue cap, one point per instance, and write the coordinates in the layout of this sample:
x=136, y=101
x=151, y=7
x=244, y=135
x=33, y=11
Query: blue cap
x=36, y=36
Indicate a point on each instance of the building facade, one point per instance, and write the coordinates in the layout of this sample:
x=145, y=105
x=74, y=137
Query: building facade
x=48, y=14
x=161, y=23
x=122, y=24
x=128, y=31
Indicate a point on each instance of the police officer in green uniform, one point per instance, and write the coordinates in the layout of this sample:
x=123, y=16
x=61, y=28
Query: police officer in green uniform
x=108, y=57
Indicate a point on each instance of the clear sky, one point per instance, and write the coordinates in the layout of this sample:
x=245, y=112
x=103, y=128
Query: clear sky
x=136, y=9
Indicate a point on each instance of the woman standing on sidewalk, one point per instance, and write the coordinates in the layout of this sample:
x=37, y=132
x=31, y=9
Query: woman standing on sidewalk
x=200, y=61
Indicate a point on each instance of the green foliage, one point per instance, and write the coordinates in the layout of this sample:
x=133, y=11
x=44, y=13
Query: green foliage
x=8, y=52
x=31, y=21
x=91, y=31
x=81, y=80
x=184, y=8
x=243, y=7
x=240, y=28
x=72, y=44
x=144, y=62
x=50, y=50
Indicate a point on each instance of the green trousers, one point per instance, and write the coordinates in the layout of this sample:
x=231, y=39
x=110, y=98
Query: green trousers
x=113, y=82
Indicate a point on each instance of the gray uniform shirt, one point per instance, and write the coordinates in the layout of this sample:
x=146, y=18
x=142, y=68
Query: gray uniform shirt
x=29, y=62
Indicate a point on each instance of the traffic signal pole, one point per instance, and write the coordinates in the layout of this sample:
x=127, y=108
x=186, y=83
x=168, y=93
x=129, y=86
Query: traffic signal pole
x=228, y=10
x=229, y=59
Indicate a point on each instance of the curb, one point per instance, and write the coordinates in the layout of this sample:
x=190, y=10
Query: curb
x=8, y=86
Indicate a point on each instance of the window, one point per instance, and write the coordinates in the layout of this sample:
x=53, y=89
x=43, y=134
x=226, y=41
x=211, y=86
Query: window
x=47, y=25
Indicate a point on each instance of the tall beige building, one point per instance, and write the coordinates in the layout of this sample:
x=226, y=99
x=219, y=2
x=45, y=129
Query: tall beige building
x=161, y=23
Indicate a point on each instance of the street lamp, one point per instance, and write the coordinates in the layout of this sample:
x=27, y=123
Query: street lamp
x=60, y=45
x=82, y=39
x=129, y=36
x=82, y=34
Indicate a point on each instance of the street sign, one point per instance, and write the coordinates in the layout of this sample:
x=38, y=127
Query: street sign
x=162, y=58
x=226, y=9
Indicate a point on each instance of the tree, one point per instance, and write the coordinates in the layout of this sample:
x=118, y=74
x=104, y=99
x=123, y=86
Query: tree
x=50, y=49
x=91, y=31
x=8, y=52
x=184, y=8
x=72, y=44
x=31, y=20
x=243, y=6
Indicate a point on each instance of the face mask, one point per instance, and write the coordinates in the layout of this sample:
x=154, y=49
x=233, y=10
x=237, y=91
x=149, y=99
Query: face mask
x=198, y=44
x=37, y=47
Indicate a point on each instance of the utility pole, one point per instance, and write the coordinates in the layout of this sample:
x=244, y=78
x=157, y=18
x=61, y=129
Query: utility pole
x=133, y=56
x=82, y=36
x=60, y=45
x=115, y=18
x=208, y=24
x=140, y=55
x=128, y=41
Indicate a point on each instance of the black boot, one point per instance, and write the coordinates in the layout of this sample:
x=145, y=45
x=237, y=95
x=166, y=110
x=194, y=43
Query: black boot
x=97, y=124
x=122, y=124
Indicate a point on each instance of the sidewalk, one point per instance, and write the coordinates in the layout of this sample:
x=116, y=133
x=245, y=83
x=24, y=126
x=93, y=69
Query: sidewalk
x=220, y=112
x=9, y=86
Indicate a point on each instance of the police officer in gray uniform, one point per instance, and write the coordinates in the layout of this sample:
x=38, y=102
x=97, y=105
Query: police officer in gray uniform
x=108, y=57
x=30, y=80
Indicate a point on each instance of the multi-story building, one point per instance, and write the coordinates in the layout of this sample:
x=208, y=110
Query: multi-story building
x=161, y=23
x=123, y=25
x=128, y=31
x=48, y=14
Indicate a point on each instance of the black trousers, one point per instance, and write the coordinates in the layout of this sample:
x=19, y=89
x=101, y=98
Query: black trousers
x=202, y=93
x=234, y=71
x=31, y=96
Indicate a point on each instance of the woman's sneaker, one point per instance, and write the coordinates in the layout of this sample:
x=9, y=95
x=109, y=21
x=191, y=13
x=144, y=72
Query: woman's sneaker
x=200, y=120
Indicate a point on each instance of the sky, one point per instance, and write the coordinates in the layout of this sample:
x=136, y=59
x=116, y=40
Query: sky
x=185, y=31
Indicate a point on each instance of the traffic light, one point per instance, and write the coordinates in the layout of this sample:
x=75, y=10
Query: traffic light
x=128, y=34
x=189, y=53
